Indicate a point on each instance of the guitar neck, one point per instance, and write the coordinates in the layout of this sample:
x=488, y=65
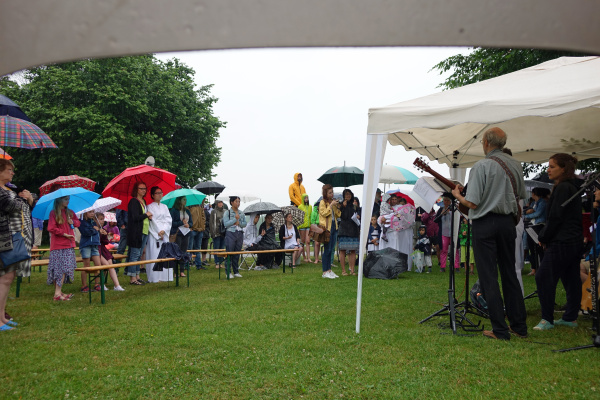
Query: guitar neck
x=439, y=177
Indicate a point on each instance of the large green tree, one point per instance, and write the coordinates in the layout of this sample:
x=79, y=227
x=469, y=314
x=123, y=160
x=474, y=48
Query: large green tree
x=109, y=114
x=483, y=63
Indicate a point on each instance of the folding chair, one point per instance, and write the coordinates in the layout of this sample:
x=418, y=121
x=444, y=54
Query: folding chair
x=248, y=264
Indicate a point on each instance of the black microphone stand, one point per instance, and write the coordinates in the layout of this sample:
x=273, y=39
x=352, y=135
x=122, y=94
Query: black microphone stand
x=588, y=186
x=450, y=308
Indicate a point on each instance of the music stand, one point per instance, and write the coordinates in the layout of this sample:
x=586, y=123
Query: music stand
x=450, y=308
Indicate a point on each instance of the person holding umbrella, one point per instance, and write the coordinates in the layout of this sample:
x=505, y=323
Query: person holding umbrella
x=138, y=226
x=15, y=217
x=234, y=221
x=180, y=218
x=62, y=261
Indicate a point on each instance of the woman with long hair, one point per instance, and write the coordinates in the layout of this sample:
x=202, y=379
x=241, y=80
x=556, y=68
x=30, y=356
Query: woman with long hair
x=138, y=225
x=563, y=238
x=180, y=216
x=348, y=233
x=289, y=237
x=62, y=262
x=329, y=212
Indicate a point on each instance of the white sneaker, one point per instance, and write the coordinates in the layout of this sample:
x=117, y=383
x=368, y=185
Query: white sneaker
x=333, y=274
x=106, y=288
x=231, y=276
x=329, y=274
x=238, y=275
x=119, y=289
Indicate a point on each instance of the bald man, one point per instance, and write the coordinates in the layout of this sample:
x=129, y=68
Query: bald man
x=493, y=184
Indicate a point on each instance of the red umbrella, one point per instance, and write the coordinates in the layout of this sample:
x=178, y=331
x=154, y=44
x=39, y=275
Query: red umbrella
x=120, y=187
x=68, y=181
x=398, y=193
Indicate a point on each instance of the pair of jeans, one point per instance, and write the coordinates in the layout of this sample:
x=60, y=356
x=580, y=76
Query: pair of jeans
x=219, y=243
x=494, y=249
x=560, y=262
x=233, y=242
x=135, y=254
x=122, y=241
x=329, y=248
x=195, y=243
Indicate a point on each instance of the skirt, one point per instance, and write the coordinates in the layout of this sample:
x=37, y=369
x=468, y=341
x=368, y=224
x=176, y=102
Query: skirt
x=61, y=262
x=348, y=243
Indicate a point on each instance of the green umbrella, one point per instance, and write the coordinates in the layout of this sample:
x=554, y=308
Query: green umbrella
x=193, y=197
x=342, y=176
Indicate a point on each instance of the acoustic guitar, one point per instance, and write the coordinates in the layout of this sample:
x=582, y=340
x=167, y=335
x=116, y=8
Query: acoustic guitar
x=423, y=166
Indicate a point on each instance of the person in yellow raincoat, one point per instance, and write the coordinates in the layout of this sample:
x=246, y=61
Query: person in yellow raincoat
x=297, y=190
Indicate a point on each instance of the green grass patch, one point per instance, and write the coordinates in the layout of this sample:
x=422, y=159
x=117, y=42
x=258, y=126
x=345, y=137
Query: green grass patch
x=274, y=335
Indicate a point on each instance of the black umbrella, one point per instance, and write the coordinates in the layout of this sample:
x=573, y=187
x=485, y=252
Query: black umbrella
x=342, y=176
x=210, y=187
x=385, y=264
x=263, y=207
x=10, y=108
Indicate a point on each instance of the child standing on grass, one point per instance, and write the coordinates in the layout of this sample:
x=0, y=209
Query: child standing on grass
x=62, y=260
x=464, y=242
x=422, y=254
x=88, y=246
x=373, y=238
x=106, y=258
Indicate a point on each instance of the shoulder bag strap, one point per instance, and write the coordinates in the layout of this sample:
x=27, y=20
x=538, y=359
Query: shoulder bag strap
x=513, y=181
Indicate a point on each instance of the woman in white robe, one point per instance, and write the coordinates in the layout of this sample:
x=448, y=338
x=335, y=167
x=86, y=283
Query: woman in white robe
x=158, y=233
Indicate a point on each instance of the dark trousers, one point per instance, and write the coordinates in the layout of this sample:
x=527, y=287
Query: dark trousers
x=561, y=261
x=182, y=242
x=494, y=249
x=233, y=242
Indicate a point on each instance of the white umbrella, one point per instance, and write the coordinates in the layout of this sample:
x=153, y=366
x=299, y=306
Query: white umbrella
x=102, y=205
x=392, y=174
x=245, y=197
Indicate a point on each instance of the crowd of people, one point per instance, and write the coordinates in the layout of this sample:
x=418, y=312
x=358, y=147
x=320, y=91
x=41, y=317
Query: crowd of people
x=491, y=237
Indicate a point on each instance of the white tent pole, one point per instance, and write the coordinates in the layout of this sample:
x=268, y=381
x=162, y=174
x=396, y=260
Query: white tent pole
x=375, y=151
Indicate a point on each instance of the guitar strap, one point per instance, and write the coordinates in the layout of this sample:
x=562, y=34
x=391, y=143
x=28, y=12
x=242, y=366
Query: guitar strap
x=511, y=177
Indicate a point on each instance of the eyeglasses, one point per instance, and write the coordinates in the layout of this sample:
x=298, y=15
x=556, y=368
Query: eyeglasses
x=144, y=189
x=158, y=192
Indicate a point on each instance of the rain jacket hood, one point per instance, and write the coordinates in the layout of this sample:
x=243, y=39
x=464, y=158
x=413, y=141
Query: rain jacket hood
x=307, y=208
x=296, y=190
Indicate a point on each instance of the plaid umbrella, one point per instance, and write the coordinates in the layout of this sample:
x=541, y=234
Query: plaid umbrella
x=297, y=216
x=68, y=181
x=15, y=132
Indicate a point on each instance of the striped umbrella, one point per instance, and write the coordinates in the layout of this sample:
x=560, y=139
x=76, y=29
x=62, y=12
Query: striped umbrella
x=392, y=174
x=68, y=181
x=15, y=132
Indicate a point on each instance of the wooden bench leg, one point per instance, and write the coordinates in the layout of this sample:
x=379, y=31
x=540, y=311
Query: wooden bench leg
x=19, y=279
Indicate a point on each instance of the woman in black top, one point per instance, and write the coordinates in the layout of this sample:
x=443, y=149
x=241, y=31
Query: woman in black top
x=562, y=237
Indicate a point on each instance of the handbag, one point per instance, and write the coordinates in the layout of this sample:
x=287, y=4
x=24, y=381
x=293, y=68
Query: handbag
x=19, y=252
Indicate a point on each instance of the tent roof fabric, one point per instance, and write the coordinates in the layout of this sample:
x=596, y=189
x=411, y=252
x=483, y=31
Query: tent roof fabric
x=548, y=108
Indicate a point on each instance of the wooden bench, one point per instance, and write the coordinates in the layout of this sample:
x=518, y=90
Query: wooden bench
x=45, y=261
x=101, y=272
x=228, y=255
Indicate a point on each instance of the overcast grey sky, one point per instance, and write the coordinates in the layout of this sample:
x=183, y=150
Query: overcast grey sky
x=305, y=110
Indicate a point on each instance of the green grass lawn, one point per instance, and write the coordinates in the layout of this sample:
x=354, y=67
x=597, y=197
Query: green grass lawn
x=275, y=335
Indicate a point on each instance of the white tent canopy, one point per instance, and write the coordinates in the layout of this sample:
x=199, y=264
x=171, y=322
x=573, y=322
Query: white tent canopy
x=552, y=107
x=549, y=108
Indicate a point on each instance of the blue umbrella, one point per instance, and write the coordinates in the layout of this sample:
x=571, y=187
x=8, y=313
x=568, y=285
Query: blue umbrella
x=80, y=199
